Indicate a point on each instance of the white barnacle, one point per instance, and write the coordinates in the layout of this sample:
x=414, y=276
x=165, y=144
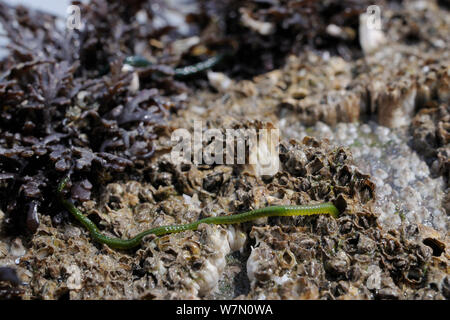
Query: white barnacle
x=236, y=238
x=208, y=276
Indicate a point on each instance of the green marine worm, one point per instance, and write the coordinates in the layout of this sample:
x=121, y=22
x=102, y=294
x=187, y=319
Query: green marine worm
x=273, y=211
x=182, y=72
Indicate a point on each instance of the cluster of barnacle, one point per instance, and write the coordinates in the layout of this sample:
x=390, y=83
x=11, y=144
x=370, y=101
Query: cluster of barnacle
x=188, y=265
x=322, y=173
x=305, y=257
x=431, y=137
x=347, y=258
x=244, y=191
x=430, y=127
x=418, y=25
x=416, y=97
x=317, y=89
x=313, y=87
x=331, y=89
x=419, y=74
x=63, y=263
x=408, y=89
x=302, y=257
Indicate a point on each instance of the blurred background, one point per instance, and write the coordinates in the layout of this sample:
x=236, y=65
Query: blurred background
x=53, y=6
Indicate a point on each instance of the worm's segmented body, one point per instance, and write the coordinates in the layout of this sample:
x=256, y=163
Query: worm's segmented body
x=274, y=211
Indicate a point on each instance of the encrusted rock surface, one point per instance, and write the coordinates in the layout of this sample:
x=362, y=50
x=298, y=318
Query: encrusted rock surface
x=288, y=258
x=370, y=135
